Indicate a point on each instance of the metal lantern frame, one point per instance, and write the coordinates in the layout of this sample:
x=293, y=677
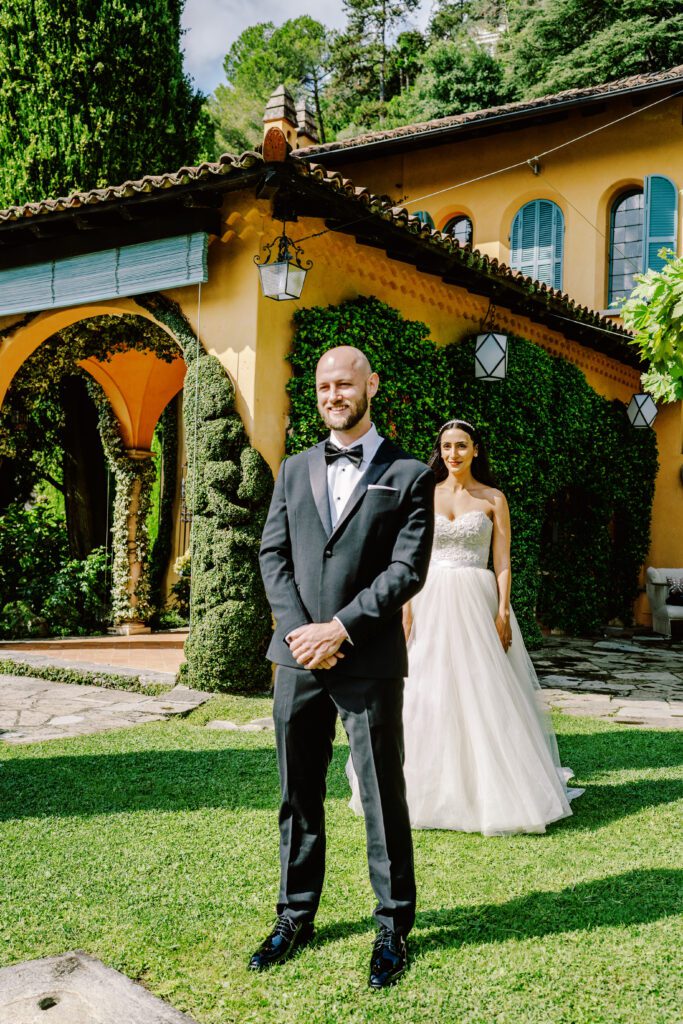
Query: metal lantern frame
x=642, y=411
x=282, y=273
x=491, y=356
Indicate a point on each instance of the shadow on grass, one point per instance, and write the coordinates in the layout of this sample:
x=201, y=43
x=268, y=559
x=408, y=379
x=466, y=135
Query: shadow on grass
x=180, y=780
x=635, y=897
x=628, y=748
x=167, y=780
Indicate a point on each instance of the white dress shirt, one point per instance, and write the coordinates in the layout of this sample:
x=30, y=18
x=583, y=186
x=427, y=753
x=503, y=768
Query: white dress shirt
x=342, y=475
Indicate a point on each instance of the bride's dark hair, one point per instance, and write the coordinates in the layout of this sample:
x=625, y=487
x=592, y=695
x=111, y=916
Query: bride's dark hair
x=481, y=470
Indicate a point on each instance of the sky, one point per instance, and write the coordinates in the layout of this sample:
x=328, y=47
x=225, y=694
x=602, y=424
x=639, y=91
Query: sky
x=212, y=25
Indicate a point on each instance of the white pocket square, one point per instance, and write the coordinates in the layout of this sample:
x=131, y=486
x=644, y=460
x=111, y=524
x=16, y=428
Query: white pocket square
x=382, y=487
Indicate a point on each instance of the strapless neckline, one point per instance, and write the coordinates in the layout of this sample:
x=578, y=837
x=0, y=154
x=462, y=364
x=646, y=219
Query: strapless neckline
x=472, y=512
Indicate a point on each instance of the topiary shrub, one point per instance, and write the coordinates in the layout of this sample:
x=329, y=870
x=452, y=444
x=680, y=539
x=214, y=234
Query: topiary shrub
x=578, y=477
x=228, y=490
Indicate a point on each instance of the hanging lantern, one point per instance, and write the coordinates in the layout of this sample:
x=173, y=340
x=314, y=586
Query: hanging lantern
x=282, y=274
x=641, y=411
x=491, y=356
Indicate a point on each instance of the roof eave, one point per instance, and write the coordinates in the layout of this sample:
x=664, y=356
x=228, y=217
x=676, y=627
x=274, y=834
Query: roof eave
x=442, y=135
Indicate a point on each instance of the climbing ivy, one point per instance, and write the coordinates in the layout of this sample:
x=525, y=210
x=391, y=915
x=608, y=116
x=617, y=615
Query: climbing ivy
x=578, y=477
x=35, y=392
x=131, y=599
x=161, y=549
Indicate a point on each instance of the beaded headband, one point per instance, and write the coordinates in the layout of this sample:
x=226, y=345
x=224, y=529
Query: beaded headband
x=464, y=423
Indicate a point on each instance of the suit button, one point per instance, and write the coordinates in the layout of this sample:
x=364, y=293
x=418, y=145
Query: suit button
x=328, y=553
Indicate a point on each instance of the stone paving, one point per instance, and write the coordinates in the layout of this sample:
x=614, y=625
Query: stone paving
x=635, y=681
x=32, y=710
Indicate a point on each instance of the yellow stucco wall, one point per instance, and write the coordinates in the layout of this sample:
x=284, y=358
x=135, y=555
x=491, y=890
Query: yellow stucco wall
x=252, y=335
x=583, y=179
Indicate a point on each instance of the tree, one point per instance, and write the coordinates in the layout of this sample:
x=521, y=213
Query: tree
x=264, y=56
x=654, y=313
x=456, y=76
x=371, y=23
x=92, y=92
x=562, y=44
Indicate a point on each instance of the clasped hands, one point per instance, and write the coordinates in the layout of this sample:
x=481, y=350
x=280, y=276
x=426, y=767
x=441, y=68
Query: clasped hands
x=317, y=644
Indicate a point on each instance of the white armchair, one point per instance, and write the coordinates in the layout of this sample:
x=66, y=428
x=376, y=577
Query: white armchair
x=657, y=592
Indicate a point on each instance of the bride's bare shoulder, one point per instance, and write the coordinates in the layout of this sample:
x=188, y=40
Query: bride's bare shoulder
x=491, y=494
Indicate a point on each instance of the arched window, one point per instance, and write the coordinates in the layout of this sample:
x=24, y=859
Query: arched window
x=625, y=244
x=424, y=218
x=460, y=228
x=537, y=242
x=642, y=221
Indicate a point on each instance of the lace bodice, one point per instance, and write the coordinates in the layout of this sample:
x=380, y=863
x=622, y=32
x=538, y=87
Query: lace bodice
x=464, y=541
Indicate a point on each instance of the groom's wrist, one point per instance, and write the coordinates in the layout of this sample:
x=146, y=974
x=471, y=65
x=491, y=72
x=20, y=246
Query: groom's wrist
x=343, y=630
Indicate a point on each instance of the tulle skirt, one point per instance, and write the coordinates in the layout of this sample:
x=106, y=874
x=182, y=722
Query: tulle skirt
x=480, y=752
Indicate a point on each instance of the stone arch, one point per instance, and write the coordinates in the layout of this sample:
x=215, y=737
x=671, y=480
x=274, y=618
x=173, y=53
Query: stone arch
x=135, y=385
x=18, y=341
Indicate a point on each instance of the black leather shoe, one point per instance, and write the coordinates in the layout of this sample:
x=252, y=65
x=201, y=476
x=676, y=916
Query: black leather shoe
x=286, y=937
x=389, y=958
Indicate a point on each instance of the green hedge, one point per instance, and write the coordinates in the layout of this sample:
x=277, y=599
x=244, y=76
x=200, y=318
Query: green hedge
x=579, y=479
x=230, y=619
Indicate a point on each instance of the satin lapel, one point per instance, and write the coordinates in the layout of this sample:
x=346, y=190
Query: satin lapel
x=375, y=470
x=317, y=471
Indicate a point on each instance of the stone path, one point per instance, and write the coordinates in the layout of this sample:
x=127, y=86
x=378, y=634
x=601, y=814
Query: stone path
x=74, y=988
x=154, y=656
x=33, y=710
x=636, y=682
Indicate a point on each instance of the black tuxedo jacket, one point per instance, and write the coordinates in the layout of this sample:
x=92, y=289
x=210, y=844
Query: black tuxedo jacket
x=363, y=571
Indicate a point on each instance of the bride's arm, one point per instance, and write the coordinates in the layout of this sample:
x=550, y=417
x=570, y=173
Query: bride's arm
x=501, y=566
x=407, y=616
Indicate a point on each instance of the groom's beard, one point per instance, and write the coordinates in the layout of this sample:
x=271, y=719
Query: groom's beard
x=354, y=414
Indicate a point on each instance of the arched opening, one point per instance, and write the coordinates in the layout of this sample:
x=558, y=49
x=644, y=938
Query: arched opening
x=76, y=464
x=626, y=239
x=537, y=242
x=460, y=228
x=576, y=533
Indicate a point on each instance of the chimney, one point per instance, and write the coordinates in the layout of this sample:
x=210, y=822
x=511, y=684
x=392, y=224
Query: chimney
x=307, y=134
x=280, y=113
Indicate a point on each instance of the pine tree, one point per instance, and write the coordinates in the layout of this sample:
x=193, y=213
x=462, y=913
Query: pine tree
x=563, y=44
x=264, y=56
x=92, y=92
x=371, y=23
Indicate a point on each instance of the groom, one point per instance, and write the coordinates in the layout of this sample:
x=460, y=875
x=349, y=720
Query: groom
x=346, y=544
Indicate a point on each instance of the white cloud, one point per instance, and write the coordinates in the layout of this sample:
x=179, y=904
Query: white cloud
x=213, y=25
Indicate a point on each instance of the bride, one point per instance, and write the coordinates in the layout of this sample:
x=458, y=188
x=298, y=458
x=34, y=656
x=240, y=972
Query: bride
x=480, y=753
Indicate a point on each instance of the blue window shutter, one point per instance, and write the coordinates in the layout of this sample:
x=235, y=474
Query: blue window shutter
x=661, y=219
x=537, y=242
x=424, y=218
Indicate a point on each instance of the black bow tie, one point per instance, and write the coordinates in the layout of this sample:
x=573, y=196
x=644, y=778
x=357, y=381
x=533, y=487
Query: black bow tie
x=354, y=455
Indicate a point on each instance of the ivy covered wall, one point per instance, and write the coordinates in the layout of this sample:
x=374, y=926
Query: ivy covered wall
x=578, y=477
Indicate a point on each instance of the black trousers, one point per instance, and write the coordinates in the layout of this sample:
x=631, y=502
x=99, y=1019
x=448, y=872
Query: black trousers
x=305, y=713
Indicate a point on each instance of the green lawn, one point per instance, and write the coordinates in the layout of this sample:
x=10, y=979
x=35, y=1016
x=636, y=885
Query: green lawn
x=155, y=849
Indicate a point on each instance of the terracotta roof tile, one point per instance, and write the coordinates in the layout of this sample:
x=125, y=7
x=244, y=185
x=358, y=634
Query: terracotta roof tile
x=635, y=83
x=379, y=206
x=151, y=183
x=384, y=207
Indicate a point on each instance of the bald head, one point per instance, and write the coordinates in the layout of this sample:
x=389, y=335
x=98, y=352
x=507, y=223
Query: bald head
x=345, y=357
x=345, y=385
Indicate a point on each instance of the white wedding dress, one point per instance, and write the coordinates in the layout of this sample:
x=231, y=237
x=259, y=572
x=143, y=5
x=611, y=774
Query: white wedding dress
x=481, y=754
